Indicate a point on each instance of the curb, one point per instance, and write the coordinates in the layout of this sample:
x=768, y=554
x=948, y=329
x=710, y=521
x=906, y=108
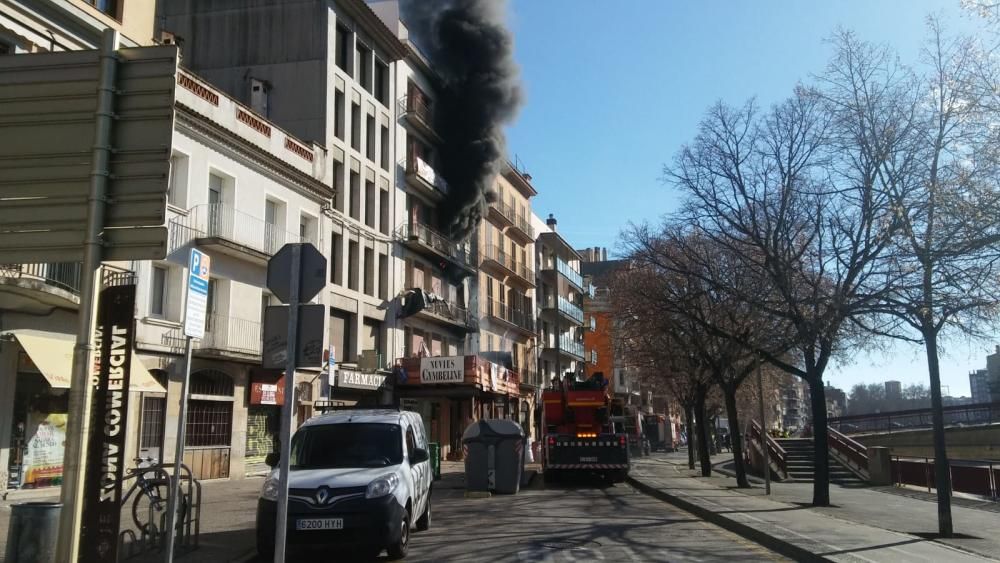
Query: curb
x=773, y=543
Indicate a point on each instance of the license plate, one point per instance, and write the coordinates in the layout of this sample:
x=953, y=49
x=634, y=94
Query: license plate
x=319, y=524
x=588, y=460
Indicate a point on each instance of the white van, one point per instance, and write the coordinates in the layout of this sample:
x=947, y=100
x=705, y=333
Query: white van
x=358, y=477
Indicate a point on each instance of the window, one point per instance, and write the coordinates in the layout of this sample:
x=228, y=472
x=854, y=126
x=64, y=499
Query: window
x=177, y=182
x=108, y=7
x=215, y=187
x=341, y=325
x=356, y=127
x=307, y=229
x=339, y=110
x=384, y=150
x=337, y=259
x=352, y=265
x=370, y=137
x=383, y=276
x=357, y=445
x=382, y=82
x=371, y=209
x=213, y=290
x=355, y=196
x=372, y=337
x=370, y=272
x=343, y=49
x=158, y=292
x=364, y=61
x=383, y=207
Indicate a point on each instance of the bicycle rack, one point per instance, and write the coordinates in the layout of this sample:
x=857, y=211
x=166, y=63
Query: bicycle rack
x=154, y=537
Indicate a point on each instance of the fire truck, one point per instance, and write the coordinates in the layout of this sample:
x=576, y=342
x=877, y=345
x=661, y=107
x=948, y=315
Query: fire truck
x=579, y=433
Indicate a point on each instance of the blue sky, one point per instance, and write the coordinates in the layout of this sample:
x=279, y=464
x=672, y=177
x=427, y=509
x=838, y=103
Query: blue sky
x=615, y=88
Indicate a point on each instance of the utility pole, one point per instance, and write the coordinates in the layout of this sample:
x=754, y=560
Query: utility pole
x=763, y=429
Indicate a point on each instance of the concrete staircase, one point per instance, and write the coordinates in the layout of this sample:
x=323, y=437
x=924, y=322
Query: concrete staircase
x=801, y=463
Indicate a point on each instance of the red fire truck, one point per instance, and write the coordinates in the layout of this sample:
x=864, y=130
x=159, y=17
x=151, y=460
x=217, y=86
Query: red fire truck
x=579, y=435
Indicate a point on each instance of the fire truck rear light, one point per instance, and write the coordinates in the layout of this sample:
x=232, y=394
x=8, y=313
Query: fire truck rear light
x=621, y=441
x=552, y=440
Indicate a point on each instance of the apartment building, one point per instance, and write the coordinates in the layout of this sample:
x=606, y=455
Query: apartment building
x=30, y=26
x=326, y=71
x=239, y=187
x=979, y=386
x=560, y=289
x=507, y=328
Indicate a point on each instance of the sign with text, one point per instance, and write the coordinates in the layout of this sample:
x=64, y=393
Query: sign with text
x=107, y=456
x=262, y=393
x=359, y=380
x=448, y=369
x=310, y=337
x=197, y=294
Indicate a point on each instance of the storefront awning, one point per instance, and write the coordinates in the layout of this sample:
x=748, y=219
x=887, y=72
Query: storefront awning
x=52, y=354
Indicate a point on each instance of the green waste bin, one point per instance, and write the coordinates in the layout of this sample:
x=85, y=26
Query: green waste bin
x=435, y=455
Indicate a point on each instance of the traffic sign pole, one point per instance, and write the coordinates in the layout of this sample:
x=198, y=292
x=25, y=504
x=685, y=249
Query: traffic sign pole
x=175, y=482
x=281, y=523
x=80, y=390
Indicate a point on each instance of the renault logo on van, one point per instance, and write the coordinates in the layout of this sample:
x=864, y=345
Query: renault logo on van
x=322, y=494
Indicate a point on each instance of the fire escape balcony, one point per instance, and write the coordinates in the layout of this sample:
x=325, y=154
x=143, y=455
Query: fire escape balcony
x=419, y=114
x=450, y=315
x=420, y=175
x=228, y=231
x=503, y=266
x=432, y=244
x=519, y=320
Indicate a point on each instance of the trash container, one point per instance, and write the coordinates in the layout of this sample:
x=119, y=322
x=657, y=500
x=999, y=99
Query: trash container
x=33, y=531
x=434, y=451
x=495, y=458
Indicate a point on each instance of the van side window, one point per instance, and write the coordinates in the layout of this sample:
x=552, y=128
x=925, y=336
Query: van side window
x=411, y=443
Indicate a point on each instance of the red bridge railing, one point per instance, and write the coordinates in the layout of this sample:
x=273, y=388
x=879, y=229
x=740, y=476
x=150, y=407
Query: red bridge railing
x=776, y=454
x=970, y=476
x=981, y=413
x=855, y=453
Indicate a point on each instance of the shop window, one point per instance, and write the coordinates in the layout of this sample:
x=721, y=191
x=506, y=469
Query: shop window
x=209, y=423
x=211, y=382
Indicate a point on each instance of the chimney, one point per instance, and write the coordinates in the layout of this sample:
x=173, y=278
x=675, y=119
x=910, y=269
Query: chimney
x=551, y=222
x=527, y=176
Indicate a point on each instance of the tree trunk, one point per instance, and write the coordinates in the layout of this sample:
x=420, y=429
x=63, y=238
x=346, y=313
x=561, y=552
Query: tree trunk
x=821, y=443
x=942, y=474
x=737, y=439
x=701, y=424
x=688, y=418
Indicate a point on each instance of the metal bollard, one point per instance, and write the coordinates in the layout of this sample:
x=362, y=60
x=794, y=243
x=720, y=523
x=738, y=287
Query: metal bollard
x=34, y=528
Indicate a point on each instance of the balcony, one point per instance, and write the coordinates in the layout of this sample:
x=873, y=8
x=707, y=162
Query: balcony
x=225, y=337
x=432, y=244
x=420, y=175
x=450, y=315
x=516, y=319
x=503, y=265
x=565, y=307
x=565, y=346
x=419, y=114
x=521, y=229
x=501, y=213
x=233, y=232
x=563, y=268
x=37, y=288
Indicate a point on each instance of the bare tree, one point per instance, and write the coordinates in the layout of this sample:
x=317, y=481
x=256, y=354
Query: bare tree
x=945, y=190
x=797, y=193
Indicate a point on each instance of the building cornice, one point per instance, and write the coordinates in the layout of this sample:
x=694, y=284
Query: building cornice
x=307, y=185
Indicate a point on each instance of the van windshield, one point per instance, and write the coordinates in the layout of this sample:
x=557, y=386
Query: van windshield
x=346, y=445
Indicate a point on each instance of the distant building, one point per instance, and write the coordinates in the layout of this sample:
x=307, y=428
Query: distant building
x=836, y=401
x=893, y=390
x=992, y=380
x=979, y=383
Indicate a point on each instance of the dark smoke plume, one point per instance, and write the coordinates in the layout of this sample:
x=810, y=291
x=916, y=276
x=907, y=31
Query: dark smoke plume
x=470, y=47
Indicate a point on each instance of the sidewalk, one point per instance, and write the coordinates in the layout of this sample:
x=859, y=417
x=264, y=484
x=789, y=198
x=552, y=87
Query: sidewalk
x=865, y=524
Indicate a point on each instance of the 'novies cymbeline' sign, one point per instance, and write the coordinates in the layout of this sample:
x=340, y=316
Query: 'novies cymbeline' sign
x=450, y=369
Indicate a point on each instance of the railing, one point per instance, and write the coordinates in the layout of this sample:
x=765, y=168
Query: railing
x=564, y=305
x=506, y=260
x=569, y=345
x=218, y=220
x=508, y=313
x=504, y=209
x=419, y=167
x=855, y=453
x=230, y=334
x=416, y=105
x=975, y=477
x=776, y=454
x=572, y=275
x=463, y=254
x=450, y=312
x=64, y=275
x=522, y=224
x=982, y=413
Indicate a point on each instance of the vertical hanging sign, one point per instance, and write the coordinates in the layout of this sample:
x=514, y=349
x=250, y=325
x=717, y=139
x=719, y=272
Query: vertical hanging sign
x=106, y=457
x=197, y=297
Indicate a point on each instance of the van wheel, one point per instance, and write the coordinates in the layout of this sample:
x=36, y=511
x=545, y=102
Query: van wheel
x=398, y=549
x=424, y=522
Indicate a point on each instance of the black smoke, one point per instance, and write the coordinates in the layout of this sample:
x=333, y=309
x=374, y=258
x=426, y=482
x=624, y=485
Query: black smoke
x=471, y=49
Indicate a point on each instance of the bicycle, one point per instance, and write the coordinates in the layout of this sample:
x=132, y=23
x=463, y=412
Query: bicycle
x=153, y=482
